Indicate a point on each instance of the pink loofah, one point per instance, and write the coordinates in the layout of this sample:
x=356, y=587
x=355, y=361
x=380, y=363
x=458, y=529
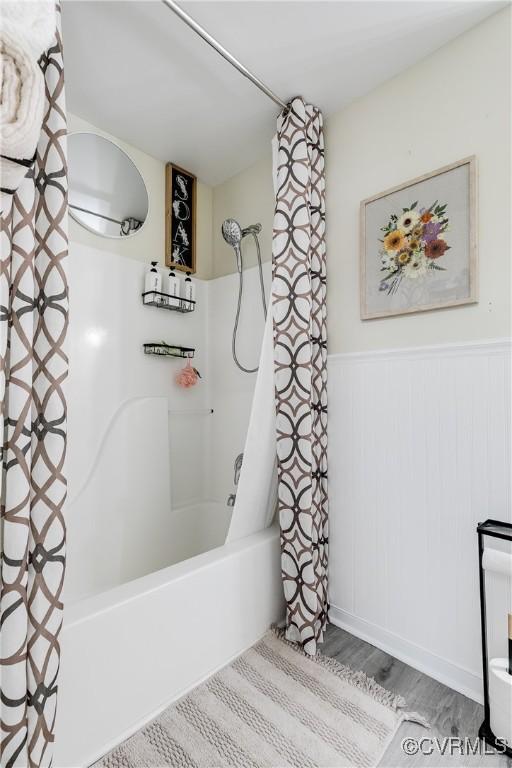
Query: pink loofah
x=187, y=377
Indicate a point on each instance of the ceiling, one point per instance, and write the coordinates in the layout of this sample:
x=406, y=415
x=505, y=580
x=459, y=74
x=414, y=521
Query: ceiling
x=137, y=71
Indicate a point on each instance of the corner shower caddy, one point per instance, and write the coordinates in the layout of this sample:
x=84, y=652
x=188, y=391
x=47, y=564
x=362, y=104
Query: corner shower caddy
x=168, y=350
x=166, y=301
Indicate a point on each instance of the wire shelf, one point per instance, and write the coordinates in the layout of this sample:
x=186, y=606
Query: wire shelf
x=168, y=350
x=166, y=301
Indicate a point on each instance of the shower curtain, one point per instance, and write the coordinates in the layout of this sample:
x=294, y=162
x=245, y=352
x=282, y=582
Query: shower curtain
x=33, y=366
x=300, y=369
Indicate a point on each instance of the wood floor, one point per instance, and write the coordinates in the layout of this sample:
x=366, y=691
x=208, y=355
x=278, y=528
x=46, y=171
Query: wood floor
x=449, y=713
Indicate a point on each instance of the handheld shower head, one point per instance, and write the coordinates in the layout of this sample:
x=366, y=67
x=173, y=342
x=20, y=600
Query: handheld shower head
x=232, y=234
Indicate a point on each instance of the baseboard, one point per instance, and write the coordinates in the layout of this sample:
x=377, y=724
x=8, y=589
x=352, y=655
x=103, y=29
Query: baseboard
x=460, y=679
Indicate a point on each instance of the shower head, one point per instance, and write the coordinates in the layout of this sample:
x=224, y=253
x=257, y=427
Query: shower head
x=232, y=234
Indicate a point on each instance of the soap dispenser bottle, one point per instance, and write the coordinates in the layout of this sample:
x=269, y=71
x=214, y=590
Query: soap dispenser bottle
x=173, y=289
x=153, y=280
x=190, y=294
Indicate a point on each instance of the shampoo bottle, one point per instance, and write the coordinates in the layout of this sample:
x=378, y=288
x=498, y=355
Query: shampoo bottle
x=173, y=289
x=153, y=281
x=190, y=294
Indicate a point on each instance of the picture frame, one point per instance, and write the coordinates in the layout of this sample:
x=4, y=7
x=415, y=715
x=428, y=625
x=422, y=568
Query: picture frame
x=180, y=218
x=418, y=244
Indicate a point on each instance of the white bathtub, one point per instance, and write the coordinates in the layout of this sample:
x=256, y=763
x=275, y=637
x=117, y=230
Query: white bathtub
x=138, y=544
x=130, y=651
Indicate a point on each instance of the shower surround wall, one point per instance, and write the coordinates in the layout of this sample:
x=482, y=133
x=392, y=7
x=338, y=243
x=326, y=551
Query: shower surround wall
x=119, y=398
x=136, y=439
x=232, y=389
x=247, y=197
x=109, y=324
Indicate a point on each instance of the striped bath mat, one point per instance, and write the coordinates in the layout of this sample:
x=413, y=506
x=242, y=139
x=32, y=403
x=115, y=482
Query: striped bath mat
x=273, y=706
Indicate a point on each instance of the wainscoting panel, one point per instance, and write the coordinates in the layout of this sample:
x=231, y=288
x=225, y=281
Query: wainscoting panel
x=419, y=452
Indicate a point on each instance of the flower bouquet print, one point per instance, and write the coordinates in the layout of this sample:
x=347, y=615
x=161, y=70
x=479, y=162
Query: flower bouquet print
x=418, y=249
x=412, y=244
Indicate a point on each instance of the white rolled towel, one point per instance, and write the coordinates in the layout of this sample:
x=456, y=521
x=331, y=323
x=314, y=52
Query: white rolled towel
x=33, y=21
x=27, y=29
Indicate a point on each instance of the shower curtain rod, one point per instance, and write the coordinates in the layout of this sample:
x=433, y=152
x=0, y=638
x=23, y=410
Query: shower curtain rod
x=199, y=30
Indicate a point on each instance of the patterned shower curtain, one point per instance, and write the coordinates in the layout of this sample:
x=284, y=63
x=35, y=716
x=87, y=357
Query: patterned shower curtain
x=300, y=365
x=33, y=366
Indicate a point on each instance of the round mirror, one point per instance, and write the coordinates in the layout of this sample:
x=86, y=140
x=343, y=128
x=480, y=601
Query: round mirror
x=107, y=194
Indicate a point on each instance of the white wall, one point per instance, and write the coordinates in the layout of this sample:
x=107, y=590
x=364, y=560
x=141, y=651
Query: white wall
x=419, y=445
x=149, y=243
x=419, y=440
x=453, y=104
x=440, y=110
x=247, y=197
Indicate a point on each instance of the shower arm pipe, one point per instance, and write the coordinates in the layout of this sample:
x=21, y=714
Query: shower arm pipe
x=199, y=30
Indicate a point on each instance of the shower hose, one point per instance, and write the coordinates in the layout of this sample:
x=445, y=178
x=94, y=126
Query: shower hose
x=240, y=290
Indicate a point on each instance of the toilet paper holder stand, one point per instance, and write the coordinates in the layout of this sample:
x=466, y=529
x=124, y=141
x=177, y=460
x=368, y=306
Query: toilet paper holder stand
x=496, y=529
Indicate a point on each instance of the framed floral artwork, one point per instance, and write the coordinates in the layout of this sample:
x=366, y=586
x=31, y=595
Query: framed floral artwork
x=418, y=244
